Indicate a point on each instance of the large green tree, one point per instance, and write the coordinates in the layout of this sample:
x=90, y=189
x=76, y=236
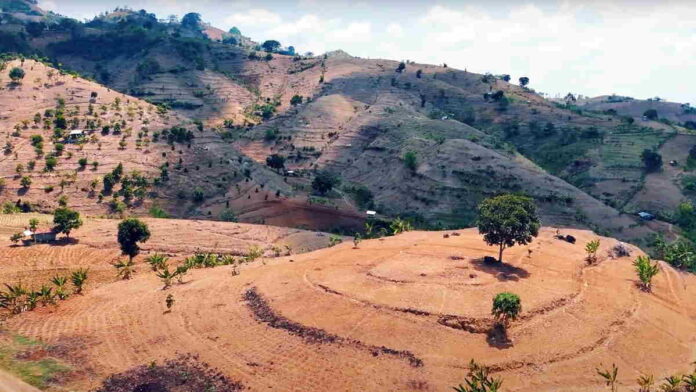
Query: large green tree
x=130, y=232
x=66, y=220
x=507, y=220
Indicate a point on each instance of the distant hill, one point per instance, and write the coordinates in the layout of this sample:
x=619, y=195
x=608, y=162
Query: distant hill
x=467, y=136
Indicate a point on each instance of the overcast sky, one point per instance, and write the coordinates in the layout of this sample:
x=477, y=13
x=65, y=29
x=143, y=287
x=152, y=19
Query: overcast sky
x=628, y=47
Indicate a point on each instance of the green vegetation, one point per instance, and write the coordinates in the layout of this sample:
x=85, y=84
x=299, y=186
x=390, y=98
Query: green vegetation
x=651, y=160
x=325, y=181
x=506, y=307
x=66, y=220
x=38, y=372
x=645, y=271
x=507, y=220
x=16, y=74
x=411, y=161
x=591, y=250
x=478, y=379
x=130, y=232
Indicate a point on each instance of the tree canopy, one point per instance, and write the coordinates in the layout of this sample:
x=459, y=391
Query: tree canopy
x=524, y=81
x=66, y=220
x=651, y=159
x=270, y=45
x=506, y=306
x=324, y=181
x=650, y=114
x=130, y=232
x=16, y=74
x=507, y=220
x=192, y=20
x=275, y=161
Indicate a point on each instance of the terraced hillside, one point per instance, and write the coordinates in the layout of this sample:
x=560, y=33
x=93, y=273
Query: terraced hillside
x=468, y=135
x=173, y=163
x=402, y=313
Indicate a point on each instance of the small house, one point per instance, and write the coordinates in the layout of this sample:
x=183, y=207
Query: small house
x=48, y=236
x=371, y=213
x=76, y=135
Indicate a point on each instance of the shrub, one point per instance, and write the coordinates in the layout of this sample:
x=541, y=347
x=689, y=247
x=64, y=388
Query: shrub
x=411, y=161
x=25, y=182
x=478, y=379
x=650, y=114
x=275, y=161
x=651, y=160
x=125, y=268
x=82, y=162
x=78, y=279
x=51, y=163
x=157, y=261
x=506, y=307
x=227, y=215
x=646, y=271
x=591, y=249
x=198, y=195
x=296, y=100
x=16, y=74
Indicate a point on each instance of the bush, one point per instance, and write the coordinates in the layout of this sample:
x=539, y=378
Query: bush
x=645, y=271
x=650, y=114
x=16, y=74
x=198, y=195
x=651, y=160
x=411, y=161
x=227, y=215
x=296, y=100
x=506, y=307
x=25, y=182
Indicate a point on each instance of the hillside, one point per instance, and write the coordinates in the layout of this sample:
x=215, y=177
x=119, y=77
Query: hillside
x=179, y=166
x=469, y=135
x=409, y=315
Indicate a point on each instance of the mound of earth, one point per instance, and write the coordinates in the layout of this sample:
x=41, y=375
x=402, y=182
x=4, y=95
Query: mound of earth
x=400, y=313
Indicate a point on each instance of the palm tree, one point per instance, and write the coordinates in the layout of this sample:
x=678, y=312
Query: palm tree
x=399, y=225
x=46, y=295
x=610, y=376
x=671, y=384
x=157, y=261
x=166, y=277
x=180, y=272
x=125, y=268
x=32, y=299
x=646, y=383
x=78, y=279
x=60, y=282
x=13, y=299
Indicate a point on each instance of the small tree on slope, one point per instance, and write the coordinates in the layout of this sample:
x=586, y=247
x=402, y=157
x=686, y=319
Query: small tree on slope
x=130, y=232
x=507, y=220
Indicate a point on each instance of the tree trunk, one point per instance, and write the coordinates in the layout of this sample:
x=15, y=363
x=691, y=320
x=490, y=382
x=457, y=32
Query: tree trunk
x=500, y=254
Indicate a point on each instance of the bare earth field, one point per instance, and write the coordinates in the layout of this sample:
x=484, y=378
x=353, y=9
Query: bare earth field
x=94, y=245
x=404, y=313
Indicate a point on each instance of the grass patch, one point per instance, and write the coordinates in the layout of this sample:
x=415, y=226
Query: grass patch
x=40, y=371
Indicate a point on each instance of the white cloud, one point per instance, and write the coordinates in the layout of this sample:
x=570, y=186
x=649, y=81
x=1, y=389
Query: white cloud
x=253, y=17
x=354, y=32
x=48, y=5
x=395, y=30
